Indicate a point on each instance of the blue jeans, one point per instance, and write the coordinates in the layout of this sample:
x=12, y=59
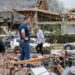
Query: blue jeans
x=25, y=50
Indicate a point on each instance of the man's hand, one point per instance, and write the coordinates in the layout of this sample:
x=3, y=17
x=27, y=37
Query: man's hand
x=23, y=35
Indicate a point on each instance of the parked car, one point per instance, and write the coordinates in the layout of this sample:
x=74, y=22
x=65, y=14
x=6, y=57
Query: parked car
x=33, y=43
x=14, y=43
x=8, y=39
x=69, y=46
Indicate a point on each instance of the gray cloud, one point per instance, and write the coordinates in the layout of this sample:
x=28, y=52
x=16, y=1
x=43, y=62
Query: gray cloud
x=16, y=3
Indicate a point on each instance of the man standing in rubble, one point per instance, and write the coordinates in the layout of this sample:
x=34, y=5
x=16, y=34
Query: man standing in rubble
x=25, y=39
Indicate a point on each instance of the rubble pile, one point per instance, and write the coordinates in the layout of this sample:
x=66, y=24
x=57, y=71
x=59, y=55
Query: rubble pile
x=5, y=66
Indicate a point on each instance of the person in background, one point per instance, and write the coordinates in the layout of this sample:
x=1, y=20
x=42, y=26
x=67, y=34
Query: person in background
x=40, y=39
x=25, y=39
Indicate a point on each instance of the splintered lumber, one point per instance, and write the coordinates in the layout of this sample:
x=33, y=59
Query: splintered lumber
x=59, y=68
x=30, y=61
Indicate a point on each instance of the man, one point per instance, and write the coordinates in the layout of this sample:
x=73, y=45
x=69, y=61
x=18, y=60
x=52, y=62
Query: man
x=40, y=40
x=24, y=39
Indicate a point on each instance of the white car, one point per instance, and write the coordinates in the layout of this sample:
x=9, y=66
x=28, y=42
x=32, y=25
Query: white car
x=33, y=43
x=14, y=43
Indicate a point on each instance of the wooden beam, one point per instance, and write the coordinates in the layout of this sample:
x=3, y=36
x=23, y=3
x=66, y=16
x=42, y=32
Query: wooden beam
x=37, y=10
x=31, y=61
x=59, y=68
x=69, y=22
x=55, y=22
x=48, y=22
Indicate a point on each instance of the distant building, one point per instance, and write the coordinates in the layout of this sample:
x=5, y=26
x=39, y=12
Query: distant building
x=41, y=16
x=37, y=9
x=68, y=26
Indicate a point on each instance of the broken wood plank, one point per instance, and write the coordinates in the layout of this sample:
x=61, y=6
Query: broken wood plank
x=30, y=61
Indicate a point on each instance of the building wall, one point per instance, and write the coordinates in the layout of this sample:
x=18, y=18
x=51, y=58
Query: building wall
x=71, y=29
x=68, y=29
x=69, y=18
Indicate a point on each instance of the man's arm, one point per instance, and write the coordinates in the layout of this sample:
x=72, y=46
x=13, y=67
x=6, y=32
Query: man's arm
x=23, y=34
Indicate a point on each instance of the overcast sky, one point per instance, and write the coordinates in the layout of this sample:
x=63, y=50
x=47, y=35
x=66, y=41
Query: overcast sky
x=16, y=3
x=69, y=3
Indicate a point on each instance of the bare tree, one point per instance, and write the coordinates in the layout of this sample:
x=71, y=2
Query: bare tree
x=55, y=6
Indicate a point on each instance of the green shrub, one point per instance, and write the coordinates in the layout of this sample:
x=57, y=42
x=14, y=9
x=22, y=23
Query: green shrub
x=61, y=38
